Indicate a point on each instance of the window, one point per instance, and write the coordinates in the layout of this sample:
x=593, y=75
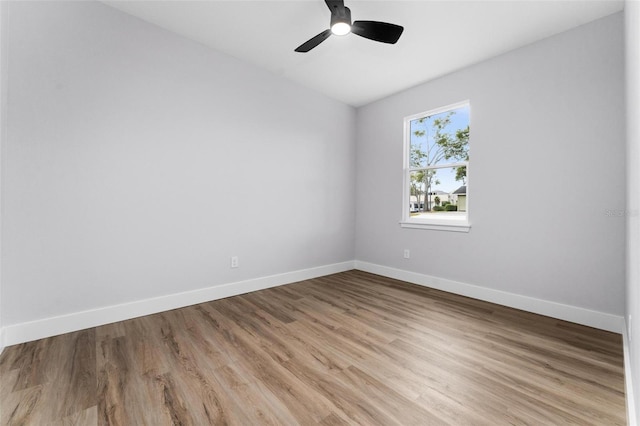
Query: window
x=436, y=165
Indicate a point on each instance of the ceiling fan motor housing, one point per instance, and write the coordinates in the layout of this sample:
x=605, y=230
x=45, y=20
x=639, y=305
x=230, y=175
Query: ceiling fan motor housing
x=343, y=15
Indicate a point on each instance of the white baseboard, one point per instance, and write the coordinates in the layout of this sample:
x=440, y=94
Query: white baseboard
x=632, y=419
x=2, y=345
x=601, y=320
x=47, y=327
x=33, y=330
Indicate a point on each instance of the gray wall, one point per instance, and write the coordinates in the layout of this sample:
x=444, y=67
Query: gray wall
x=547, y=180
x=137, y=162
x=632, y=43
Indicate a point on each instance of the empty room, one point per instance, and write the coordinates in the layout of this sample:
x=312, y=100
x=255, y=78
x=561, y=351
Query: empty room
x=319, y=212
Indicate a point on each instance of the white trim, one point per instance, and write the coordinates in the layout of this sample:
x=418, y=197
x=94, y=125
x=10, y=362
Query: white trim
x=596, y=319
x=2, y=345
x=4, y=7
x=628, y=382
x=33, y=330
x=440, y=166
x=438, y=110
x=454, y=225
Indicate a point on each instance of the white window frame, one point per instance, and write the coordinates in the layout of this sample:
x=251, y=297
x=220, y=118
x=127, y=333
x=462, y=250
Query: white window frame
x=442, y=223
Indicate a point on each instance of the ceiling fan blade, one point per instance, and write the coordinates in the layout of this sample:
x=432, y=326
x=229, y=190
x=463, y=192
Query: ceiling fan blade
x=335, y=6
x=313, y=42
x=378, y=31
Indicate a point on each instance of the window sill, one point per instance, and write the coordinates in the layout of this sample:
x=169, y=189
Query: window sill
x=451, y=225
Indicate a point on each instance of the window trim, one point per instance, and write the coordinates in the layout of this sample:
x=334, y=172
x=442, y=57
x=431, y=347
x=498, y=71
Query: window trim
x=443, y=223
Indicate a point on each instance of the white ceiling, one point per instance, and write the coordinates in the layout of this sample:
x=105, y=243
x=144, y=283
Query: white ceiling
x=439, y=36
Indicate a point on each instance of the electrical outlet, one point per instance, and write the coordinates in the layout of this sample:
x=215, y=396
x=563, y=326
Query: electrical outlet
x=407, y=253
x=235, y=262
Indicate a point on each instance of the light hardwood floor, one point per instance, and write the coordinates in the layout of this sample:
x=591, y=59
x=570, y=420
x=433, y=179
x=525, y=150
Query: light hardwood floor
x=350, y=348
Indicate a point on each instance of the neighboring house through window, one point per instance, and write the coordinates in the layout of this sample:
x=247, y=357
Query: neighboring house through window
x=436, y=169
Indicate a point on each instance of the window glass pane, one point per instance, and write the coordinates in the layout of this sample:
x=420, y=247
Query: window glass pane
x=417, y=191
x=438, y=192
x=440, y=138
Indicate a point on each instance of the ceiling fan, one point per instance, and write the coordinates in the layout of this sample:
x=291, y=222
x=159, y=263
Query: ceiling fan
x=341, y=25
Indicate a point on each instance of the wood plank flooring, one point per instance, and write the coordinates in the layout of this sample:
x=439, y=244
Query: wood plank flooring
x=350, y=348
